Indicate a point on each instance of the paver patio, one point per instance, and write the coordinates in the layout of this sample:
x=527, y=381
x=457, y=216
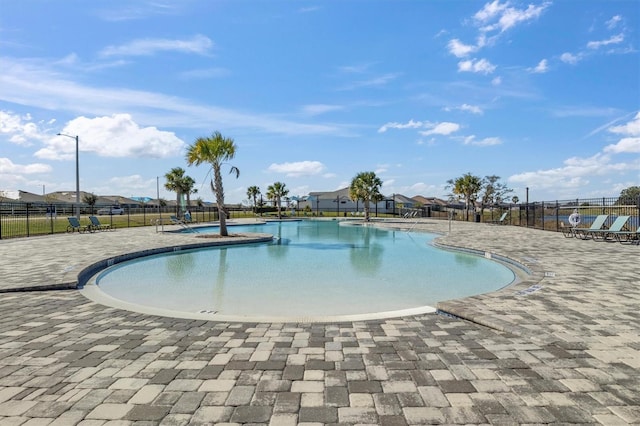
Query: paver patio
x=561, y=347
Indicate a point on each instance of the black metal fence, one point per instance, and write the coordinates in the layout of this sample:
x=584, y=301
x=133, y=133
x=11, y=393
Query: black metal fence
x=553, y=215
x=19, y=219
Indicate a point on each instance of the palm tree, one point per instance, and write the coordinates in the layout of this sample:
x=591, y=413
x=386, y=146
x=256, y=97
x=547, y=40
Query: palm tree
x=466, y=187
x=365, y=186
x=276, y=192
x=252, y=194
x=176, y=183
x=188, y=184
x=90, y=199
x=215, y=150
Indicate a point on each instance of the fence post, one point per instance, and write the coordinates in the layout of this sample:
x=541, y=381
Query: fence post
x=28, y=235
x=557, y=215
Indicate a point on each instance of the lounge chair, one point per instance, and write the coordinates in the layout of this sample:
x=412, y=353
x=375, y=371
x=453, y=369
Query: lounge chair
x=603, y=234
x=627, y=236
x=597, y=223
x=74, y=225
x=98, y=226
x=501, y=221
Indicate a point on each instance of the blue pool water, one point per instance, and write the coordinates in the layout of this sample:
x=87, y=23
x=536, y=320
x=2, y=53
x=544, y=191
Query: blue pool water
x=311, y=269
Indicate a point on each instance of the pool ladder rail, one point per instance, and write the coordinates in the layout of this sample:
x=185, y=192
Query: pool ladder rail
x=160, y=223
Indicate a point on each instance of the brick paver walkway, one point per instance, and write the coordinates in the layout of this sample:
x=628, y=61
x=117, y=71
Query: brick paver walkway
x=562, y=347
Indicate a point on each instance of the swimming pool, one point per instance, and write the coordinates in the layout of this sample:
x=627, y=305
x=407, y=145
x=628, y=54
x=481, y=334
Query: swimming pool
x=313, y=270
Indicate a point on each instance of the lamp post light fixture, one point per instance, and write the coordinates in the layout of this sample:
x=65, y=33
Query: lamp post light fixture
x=77, y=173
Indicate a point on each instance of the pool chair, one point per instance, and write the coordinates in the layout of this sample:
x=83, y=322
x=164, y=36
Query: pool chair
x=74, y=225
x=631, y=237
x=597, y=223
x=501, y=221
x=603, y=234
x=98, y=226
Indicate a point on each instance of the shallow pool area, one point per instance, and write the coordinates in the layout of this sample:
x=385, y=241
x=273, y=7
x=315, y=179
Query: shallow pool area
x=312, y=270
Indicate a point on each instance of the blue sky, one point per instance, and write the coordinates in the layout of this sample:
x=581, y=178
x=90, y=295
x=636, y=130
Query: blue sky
x=545, y=94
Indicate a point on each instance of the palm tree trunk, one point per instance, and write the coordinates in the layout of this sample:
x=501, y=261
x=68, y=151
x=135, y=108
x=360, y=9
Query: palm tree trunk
x=220, y=200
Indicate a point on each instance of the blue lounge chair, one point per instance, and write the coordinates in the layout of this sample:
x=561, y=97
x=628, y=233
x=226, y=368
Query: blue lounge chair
x=98, y=226
x=74, y=225
x=598, y=223
x=603, y=234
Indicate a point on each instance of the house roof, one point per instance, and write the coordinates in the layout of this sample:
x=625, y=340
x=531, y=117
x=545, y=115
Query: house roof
x=429, y=201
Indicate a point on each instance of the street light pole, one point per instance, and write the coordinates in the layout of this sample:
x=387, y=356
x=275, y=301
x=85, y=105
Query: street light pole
x=77, y=173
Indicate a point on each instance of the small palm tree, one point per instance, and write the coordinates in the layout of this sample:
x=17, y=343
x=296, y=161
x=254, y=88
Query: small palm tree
x=276, y=192
x=90, y=199
x=176, y=183
x=365, y=186
x=187, y=188
x=215, y=150
x=252, y=193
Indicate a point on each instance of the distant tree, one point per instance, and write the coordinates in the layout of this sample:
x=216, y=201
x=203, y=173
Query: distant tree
x=90, y=199
x=180, y=183
x=629, y=196
x=465, y=187
x=277, y=192
x=494, y=192
x=252, y=194
x=215, y=150
x=365, y=186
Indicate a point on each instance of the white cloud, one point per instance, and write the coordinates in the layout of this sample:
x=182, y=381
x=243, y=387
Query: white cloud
x=409, y=125
x=471, y=108
x=30, y=83
x=199, y=44
x=496, y=81
x=478, y=66
x=21, y=130
x=630, y=144
x=613, y=22
x=616, y=39
x=541, y=68
x=570, y=58
x=625, y=145
x=114, y=136
x=444, y=128
x=297, y=169
x=489, y=11
x=318, y=109
x=471, y=140
x=507, y=17
x=632, y=128
x=8, y=167
x=575, y=172
x=459, y=49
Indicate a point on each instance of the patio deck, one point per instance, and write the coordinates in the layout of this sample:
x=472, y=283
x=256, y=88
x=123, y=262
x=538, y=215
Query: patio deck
x=561, y=347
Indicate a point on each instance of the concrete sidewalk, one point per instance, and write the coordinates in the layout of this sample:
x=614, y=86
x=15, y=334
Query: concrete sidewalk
x=561, y=347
